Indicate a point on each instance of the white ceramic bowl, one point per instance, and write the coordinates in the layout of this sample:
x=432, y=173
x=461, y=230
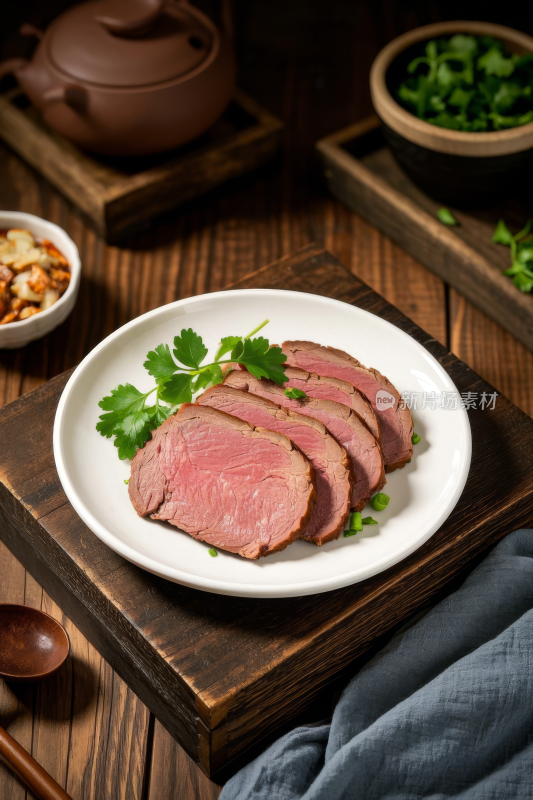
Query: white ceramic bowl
x=18, y=334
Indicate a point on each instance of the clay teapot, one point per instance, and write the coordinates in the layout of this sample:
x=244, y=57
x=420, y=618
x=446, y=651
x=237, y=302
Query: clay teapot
x=129, y=77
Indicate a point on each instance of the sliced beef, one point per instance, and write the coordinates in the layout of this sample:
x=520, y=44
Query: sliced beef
x=341, y=422
x=395, y=421
x=323, y=388
x=330, y=460
x=248, y=491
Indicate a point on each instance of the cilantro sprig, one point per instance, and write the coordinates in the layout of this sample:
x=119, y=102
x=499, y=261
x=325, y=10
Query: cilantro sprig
x=469, y=83
x=521, y=249
x=131, y=415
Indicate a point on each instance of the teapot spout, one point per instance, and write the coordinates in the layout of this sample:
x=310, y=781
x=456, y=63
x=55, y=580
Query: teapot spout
x=12, y=66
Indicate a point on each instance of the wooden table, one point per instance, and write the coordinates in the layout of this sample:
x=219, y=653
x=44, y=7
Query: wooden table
x=86, y=727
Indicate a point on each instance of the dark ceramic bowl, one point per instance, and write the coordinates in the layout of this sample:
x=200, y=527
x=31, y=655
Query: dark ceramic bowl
x=457, y=167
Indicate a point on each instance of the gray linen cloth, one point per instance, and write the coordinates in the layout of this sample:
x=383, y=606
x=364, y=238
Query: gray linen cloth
x=444, y=711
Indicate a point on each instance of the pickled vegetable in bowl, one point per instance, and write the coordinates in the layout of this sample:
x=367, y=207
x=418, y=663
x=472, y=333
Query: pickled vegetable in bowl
x=34, y=274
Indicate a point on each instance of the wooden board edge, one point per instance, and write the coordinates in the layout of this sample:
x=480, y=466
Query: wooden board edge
x=127, y=206
x=357, y=186
x=313, y=249
x=353, y=131
x=58, y=162
x=266, y=118
x=267, y=127
x=24, y=536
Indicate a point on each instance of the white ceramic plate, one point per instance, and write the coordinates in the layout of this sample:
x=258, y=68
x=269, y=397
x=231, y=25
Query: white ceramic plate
x=422, y=494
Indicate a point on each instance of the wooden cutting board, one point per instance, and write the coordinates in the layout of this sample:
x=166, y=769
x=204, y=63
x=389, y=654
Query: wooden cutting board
x=120, y=194
x=221, y=672
x=362, y=172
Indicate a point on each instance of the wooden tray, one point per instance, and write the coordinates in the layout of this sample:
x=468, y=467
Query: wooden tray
x=221, y=672
x=362, y=172
x=119, y=194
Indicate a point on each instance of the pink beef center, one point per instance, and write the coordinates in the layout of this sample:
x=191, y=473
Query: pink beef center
x=367, y=467
x=361, y=379
x=215, y=486
x=310, y=442
x=390, y=425
x=321, y=391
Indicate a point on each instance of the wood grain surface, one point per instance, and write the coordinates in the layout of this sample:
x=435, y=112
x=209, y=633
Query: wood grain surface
x=123, y=193
x=314, y=80
x=364, y=174
x=221, y=673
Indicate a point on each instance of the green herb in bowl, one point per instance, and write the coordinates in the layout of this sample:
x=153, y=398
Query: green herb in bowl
x=469, y=83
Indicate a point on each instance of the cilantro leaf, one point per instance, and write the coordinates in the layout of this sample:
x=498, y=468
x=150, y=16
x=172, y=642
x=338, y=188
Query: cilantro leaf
x=431, y=50
x=189, y=348
x=525, y=255
x=446, y=217
x=237, y=351
x=295, y=394
x=521, y=246
x=523, y=282
x=445, y=120
x=446, y=77
x=131, y=434
x=213, y=374
x=506, y=96
x=177, y=390
x=462, y=44
x=226, y=346
x=108, y=423
x=160, y=363
x=124, y=398
x=157, y=415
x=495, y=63
x=262, y=360
x=502, y=234
x=514, y=269
x=460, y=98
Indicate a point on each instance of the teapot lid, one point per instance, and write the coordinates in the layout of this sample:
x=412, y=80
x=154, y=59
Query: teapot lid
x=129, y=43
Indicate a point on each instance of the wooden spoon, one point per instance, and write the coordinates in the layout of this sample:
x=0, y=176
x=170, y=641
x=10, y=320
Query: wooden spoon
x=33, y=645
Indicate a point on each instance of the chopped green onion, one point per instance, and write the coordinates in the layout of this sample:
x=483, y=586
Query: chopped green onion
x=408, y=461
x=126, y=482
x=355, y=524
x=415, y=438
x=380, y=501
x=212, y=552
x=369, y=521
x=295, y=394
x=446, y=217
x=355, y=521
